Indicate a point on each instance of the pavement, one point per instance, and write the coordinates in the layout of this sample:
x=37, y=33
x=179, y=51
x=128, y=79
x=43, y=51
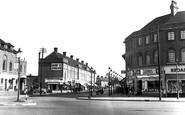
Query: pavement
x=123, y=97
x=11, y=100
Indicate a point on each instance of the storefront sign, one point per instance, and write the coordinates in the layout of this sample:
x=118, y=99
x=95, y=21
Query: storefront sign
x=149, y=71
x=175, y=70
x=52, y=80
x=56, y=66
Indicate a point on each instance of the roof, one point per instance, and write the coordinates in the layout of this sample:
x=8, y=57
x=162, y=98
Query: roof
x=179, y=17
x=55, y=56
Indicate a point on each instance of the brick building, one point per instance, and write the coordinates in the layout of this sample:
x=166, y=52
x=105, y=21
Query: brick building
x=165, y=35
x=59, y=73
x=8, y=70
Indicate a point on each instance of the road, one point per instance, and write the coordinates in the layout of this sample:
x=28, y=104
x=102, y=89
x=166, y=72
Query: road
x=62, y=105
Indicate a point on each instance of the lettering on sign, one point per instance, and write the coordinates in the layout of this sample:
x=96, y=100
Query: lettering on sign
x=177, y=69
x=56, y=66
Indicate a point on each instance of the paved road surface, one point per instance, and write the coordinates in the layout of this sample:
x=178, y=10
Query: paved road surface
x=57, y=105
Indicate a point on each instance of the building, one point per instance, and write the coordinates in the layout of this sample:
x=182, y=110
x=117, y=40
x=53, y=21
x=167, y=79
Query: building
x=160, y=41
x=9, y=68
x=58, y=73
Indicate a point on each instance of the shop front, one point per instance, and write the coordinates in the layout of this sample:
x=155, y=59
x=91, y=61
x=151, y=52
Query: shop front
x=54, y=85
x=175, y=80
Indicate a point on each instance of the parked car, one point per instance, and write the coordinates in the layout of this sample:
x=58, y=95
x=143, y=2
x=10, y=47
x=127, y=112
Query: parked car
x=38, y=90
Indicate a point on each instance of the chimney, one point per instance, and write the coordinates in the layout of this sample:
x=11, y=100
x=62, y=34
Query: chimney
x=82, y=61
x=77, y=59
x=55, y=49
x=71, y=56
x=86, y=64
x=64, y=53
x=173, y=8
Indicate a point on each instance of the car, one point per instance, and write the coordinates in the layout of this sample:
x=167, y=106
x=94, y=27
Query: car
x=38, y=90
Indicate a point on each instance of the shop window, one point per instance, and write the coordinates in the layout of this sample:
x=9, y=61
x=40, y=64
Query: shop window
x=171, y=36
x=1, y=80
x=183, y=55
x=171, y=56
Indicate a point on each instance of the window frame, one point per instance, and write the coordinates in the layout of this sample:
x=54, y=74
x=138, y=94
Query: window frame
x=171, y=36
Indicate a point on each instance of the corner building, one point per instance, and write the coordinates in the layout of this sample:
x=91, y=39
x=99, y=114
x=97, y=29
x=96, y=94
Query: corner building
x=9, y=69
x=165, y=35
x=59, y=73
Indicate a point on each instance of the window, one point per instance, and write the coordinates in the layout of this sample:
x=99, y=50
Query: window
x=171, y=56
x=140, y=41
x=140, y=60
x=183, y=34
x=171, y=36
x=155, y=57
x=10, y=66
x=183, y=55
x=155, y=38
x=4, y=63
x=147, y=39
x=148, y=58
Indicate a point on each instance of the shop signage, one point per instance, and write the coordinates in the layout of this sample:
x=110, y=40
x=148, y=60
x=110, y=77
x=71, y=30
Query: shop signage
x=52, y=80
x=149, y=71
x=56, y=66
x=175, y=70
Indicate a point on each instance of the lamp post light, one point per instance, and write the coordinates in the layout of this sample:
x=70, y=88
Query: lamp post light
x=42, y=51
x=18, y=81
x=177, y=86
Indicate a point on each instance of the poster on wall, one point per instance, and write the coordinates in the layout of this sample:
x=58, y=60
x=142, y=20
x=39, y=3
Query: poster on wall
x=56, y=66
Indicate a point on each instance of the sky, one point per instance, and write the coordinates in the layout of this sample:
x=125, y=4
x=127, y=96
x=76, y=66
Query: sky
x=91, y=30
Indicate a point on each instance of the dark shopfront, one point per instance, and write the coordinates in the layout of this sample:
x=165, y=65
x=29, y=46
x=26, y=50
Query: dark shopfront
x=172, y=85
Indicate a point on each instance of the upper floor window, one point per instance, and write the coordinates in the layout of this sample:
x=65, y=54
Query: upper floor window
x=10, y=66
x=183, y=55
x=155, y=57
x=183, y=34
x=171, y=56
x=4, y=63
x=140, y=41
x=140, y=60
x=171, y=36
x=147, y=40
x=148, y=58
x=155, y=38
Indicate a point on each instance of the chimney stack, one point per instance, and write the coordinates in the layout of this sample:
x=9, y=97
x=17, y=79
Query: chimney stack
x=71, y=56
x=77, y=59
x=55, y=49
x=86, y=64
x=82, y=61
x=173, y=8
x=64, y=53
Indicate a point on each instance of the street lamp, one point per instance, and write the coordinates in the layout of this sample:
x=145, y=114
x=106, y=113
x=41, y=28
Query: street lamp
x=18, y=82
x=90, y=87
x=109, y=81
x=177, y=86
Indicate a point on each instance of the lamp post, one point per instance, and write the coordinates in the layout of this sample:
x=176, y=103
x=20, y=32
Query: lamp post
x=109, y=81
x=90, y=87
x=159, y=62
x=42, y=51
x=177, y=79
x=18, y=81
